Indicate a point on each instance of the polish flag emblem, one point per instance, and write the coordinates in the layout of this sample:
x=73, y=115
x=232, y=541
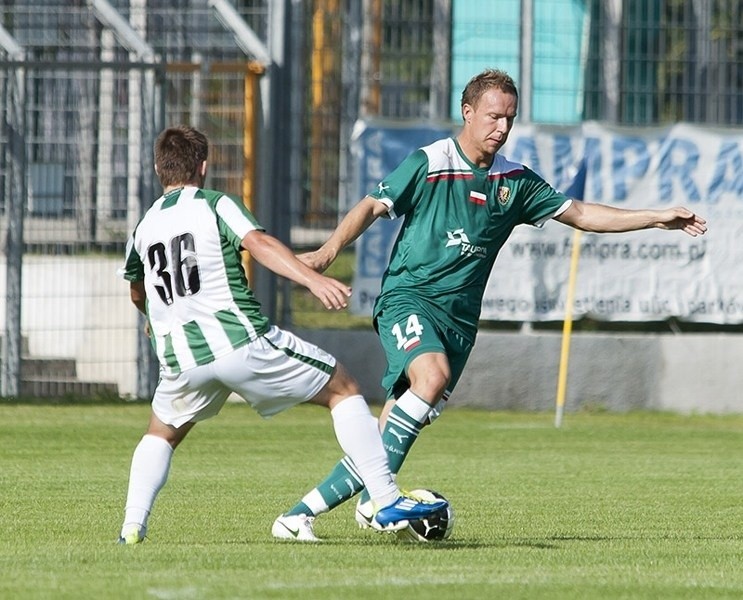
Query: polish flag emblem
x=478, y=198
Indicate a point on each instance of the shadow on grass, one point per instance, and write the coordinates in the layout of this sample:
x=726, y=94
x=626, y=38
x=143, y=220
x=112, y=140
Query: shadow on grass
x=548, y=543
x=437, y=546
x=71, y=400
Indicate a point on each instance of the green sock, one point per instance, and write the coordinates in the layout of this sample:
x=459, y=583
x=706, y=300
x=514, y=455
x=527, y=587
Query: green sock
x=403, y=425
x=402, y=428
x=342, y=483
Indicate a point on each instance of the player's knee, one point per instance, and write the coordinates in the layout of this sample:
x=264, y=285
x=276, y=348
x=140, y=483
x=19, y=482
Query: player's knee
x=429, y=376
x=432, y=384
x=342, y=383
x=172, y=435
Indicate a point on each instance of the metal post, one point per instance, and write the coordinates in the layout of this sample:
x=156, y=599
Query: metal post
x=371, y=87
x=195, y=108
x=104, y=178
x=264, y=282
x=278, y=131
x=526, y=79
x=439, y=99
x=296, y=82
x=704, y=70
x=611, y=51
x=151, y=123
x=350, y=95
x=16, y=182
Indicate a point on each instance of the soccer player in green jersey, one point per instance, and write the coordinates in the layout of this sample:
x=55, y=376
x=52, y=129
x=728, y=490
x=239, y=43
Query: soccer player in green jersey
x=184, y=268
x=460, y=200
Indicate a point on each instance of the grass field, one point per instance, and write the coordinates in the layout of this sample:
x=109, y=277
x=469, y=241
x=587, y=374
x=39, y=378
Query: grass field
x=609, y=506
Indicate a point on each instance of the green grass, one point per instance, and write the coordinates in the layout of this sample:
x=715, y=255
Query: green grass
x=609, y=506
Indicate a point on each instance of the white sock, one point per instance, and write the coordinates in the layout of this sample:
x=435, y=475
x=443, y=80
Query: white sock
x=147, y=476
x=315, y=502
x=358, y=435
x=413, y=405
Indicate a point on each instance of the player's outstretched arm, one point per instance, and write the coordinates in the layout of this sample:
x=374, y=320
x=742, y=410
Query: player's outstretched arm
x=274, y=255
x=600, y=218
x=356, y=222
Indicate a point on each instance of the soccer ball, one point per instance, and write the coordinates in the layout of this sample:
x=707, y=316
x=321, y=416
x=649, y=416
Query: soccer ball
x=434, y=528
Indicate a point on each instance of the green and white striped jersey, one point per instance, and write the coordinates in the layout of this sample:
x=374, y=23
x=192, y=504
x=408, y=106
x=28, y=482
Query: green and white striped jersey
x=186, y=249
x=457, y=217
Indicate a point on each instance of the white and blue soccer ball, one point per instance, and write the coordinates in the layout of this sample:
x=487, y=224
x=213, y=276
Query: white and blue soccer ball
x=431, y=529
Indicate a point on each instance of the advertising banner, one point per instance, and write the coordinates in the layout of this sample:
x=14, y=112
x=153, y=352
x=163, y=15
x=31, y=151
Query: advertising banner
x=647, y=275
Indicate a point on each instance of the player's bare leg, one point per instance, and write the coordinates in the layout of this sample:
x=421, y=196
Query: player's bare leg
x=401, y=421
x=429, y=376
x=358, y=435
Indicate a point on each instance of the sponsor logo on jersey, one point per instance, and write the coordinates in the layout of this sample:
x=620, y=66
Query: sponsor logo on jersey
x=466, y=248
x=504, y=195
x=381, y=187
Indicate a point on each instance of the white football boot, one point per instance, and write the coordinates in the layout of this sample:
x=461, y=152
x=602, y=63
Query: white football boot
x=294, y=527
x=364, y=513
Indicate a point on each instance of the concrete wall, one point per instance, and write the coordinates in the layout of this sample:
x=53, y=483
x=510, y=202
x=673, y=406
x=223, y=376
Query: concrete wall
x=78, y=307
x=689, y=373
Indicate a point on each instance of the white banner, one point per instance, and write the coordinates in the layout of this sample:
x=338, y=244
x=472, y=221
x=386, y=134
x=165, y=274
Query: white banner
x=641, y=276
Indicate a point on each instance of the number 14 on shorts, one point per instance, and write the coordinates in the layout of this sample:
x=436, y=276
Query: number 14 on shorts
x=412, y=336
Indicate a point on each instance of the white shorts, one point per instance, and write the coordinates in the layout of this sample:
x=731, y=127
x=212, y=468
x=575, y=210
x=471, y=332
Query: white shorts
x=277, y=371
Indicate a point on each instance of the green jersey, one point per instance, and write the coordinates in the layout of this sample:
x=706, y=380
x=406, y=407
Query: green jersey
x=186, y=249
x=457, y=217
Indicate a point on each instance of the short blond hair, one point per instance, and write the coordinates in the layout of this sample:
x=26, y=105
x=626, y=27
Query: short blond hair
x=488, y=79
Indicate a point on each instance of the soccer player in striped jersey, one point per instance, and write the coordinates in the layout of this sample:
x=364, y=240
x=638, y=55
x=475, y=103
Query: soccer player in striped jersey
x=184, y=268
x=460, y=200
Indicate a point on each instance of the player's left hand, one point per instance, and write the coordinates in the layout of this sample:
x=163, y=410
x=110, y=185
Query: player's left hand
x=682, y=218
x=331, y=292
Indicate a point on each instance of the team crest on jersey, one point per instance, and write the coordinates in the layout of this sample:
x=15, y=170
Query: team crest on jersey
x=504, y=195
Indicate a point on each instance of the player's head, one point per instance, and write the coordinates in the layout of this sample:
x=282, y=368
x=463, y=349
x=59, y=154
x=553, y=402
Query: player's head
x=180, y=156
x=487, y=80
x=489, y=105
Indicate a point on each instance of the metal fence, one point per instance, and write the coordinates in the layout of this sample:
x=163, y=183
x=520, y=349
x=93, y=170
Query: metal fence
x=628, y=62
x=83, y=95
x=624, y=62
x=277, y=85
x=76, y=173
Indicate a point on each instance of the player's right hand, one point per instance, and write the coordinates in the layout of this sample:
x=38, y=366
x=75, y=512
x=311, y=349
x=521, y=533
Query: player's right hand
x=316, y=260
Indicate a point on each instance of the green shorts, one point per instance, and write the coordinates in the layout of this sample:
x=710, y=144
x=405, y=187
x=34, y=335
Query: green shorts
x=408, y=330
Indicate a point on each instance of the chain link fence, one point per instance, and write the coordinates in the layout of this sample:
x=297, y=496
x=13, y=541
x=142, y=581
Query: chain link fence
x=623, y=62
x=86, y=85
x=76, y=171
x=84, y=90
